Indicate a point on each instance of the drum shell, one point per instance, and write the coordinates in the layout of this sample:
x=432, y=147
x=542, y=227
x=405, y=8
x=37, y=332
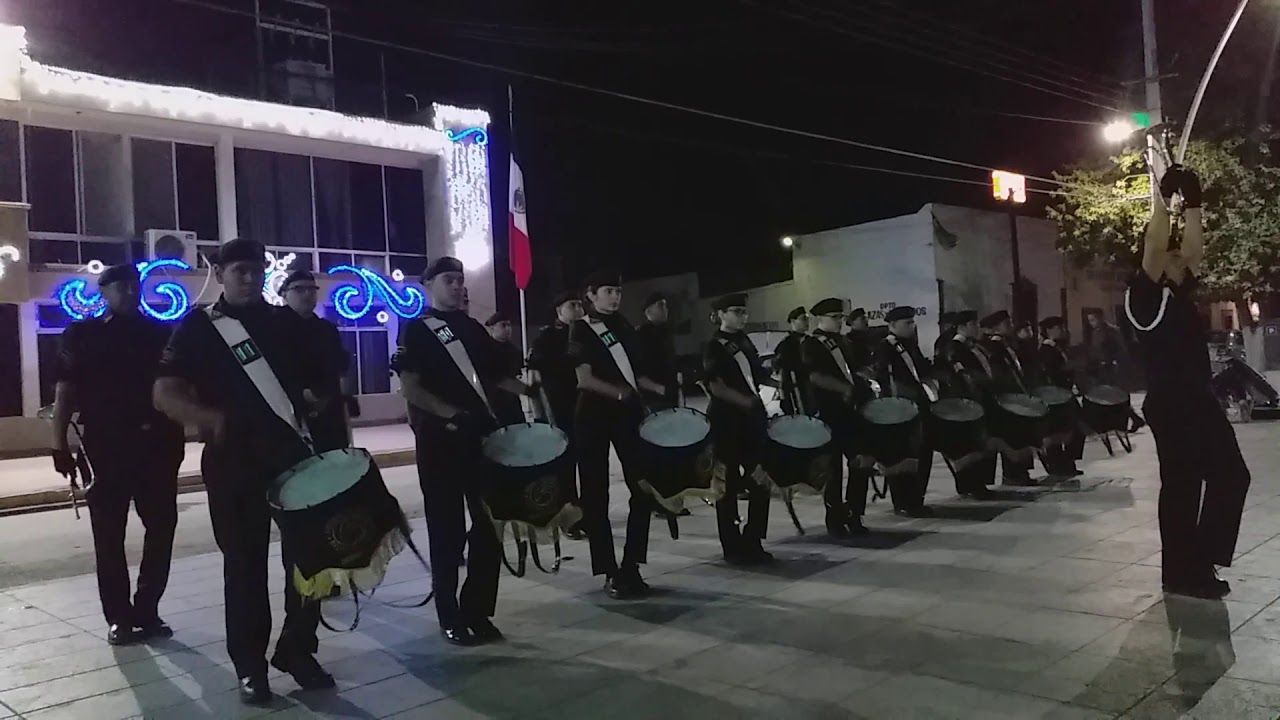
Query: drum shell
x=343, y=531
x=1103, y=418
x=791, y=466
x=1063, y=416
x=673, y=470
x=532, y=494
x=1016, y=430
x=889, y=445
x=955, y=439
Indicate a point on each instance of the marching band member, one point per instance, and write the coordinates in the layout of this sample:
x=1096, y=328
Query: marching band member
x=603, y=348
x=1008, y=376
x=1195, y=444
x=903, y=371
x=506, y=406
x=657, y=351
x=106, y=369
x=946, y=334
x=329, y=426
x=232, y=371
x=968, y=373
x=837, y=390
x=450, y=370
x=733, y=373
x=1055, y=369
x=549, y=357
x=788, y=361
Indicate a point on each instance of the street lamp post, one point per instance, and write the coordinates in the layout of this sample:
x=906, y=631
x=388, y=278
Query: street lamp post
x=1011, y=189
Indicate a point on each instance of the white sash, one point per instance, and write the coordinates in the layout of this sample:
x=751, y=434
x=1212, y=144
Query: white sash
x=616, y=350
x=911, y=365
x=1164, y=304
x=981, y=354
x=259, y=371
x=744, y=365
x=834, y=348
x=458, y=353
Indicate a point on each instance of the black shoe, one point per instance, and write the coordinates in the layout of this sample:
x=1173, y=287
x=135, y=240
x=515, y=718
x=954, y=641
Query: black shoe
x=304, y=669
x=121, y=635
x=618, y=588
x=458, y=635
x=1018, y=481
x=1076, y=472
x=737, y=557
x=837, y=523
x=1221, y=584
x=919, y=512
x=982, y=493
x=575, y=533
x=484, y=631
x=1204, y=589
x=632, y=577
x=1136, y=424
x=756, y=554
x=856, y=528
x=155, y=629
x=256, y=691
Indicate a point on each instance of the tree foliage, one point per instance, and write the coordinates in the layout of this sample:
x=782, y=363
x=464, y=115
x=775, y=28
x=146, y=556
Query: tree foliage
x=1103, y=211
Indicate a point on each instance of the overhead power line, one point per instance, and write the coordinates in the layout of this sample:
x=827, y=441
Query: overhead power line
x=745, y=122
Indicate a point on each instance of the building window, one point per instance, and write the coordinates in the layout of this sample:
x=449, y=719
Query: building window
x=273, y=198
x=10, y=161
x=406, y=212
x=47, y=347
x=155, y=202
x=51, y=179
x=365, y=340
x=197, y=190
x=10, y=363
x=104, y=177
x=350, y=211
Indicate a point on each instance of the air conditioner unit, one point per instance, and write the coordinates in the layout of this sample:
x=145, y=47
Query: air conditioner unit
x=172, y=245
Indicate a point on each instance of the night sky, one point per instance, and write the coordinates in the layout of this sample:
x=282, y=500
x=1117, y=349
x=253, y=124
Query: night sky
x=656, y=191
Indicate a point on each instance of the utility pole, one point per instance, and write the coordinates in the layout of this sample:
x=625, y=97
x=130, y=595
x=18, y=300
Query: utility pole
x=1151, y=71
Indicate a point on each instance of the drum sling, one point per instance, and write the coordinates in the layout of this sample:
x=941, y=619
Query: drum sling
x=616, y=350
x=744, y=366
x=458, y=353
x=928, y=390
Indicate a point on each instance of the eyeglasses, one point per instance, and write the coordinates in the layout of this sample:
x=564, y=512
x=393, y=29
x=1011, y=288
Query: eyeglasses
x=303, y=288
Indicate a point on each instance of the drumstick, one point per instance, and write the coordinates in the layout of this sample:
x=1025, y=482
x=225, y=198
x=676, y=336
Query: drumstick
x=546, y=406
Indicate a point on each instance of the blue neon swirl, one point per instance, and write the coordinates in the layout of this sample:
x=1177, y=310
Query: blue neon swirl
x=78, y=306
x=482, y=135
x=408, y=306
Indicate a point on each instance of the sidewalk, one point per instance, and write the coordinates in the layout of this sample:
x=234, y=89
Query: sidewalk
x=1043, y=605
x=31, y=482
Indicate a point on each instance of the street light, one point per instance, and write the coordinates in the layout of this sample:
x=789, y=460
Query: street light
x=1118, y=131
x=788, y=242
x=1011, y=188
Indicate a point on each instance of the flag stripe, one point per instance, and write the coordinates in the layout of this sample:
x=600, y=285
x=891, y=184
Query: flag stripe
x=519, y=254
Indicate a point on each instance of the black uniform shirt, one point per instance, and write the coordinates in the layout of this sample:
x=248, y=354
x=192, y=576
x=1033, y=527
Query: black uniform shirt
x=588, y=348
x=113, y=362
x=1006, y=366
x=719, y=362
x=327, y=361
x=549, y=355
x=818, y=359
x=657, y=353
x=1055, y=366
x=1175, y=352
x=893, y=373
x=424, y=352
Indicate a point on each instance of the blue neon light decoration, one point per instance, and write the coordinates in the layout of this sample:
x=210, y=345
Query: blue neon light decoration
x=481, y=135
x=78, y=306
x=407, y=303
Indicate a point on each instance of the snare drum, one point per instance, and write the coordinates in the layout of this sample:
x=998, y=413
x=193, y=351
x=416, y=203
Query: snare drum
x=529, y=477
x=892, y=430
x=1106, y=409
x=798, y=454
x=678, y=464
x=956, y=428
x=1018, y=420
x=338, y=523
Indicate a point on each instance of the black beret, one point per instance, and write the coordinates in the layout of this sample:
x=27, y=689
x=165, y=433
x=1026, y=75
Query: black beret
x=297, y=276
x=995, y=318
x=947, y=318
x=653, y=299
x=117, y=273
x=798, y=312
x=496, y=318
x=829, y=306
x=729, y=301
x=442, y=264
x=1051, y=322
x=856, y=313
x=566, y=296
x=239, y=250
x=603, y=278
x=901, y=312
x=965, y=316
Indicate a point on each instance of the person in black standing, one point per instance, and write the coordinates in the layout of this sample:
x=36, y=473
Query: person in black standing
x=549, y=357
x=252, y=432
x=450, y=373
x=946, y=334
x=506, y=406
x=603, y=347
x=838, y=390
x=1203, y=477
x=106, y=368
x=733, y=373
x=327, y=362
x=788, y=361
x=903, y=371
x=858, y=333
x=657, y=350
x=1008, y=376
x=967, y=374
x=1055, y=369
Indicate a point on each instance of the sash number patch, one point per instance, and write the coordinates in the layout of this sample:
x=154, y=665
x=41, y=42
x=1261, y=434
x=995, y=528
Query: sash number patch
x=609, y=339
x=246, y=352
x=445, y=335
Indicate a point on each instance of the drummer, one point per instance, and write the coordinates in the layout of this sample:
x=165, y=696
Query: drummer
x=838, y=390
x=789, y=363
x=967, y=372
x=903, y=371
x=1055, y=369
x=656, y=346
x=1007, y=377
x=946, y=334
x=449, y=370
x=549, y=357
x=733, y=373
x=605, y=354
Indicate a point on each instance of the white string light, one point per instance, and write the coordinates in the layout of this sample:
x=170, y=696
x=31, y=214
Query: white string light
x=94, y=267
x=446, y=116
x=8, y=253
x=277, y=273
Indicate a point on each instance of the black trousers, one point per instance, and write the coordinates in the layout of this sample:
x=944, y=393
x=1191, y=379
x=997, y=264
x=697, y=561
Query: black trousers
x=977, y=476
x=448, y=466
x=738, y=445
x=597, y=428
x=1060, y=458
x=1203, y=483
x=242, y=529
x=907, y=490
x=139, y=468
x=1016, y=469
x=854, y=501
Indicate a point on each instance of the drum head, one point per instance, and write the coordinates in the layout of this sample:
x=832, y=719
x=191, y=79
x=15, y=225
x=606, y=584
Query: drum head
x=958, y=410
x=1023, y=405
x=801, y=432
x=1107, y=395
x=1053, y=395
x=319, y=479
x=890, y=411
x=675, y=428
x=525, y=445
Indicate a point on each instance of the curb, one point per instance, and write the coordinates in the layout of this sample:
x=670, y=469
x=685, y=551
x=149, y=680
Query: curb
x=42, y=500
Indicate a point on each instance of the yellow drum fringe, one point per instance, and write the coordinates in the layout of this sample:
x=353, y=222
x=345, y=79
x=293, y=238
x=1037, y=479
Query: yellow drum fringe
x=676, y=503
x=321, y=585
x=568, y=516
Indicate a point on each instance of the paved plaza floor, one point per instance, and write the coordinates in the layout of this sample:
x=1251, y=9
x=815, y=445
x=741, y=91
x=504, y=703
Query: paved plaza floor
x=1043, y=605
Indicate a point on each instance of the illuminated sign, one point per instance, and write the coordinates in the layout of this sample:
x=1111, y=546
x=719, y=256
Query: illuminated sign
x=354, y=301
x=79, y=306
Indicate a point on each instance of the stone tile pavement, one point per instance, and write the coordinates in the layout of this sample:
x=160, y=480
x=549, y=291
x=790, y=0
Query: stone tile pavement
x=1043, y=605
